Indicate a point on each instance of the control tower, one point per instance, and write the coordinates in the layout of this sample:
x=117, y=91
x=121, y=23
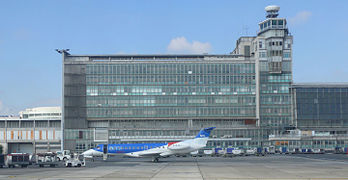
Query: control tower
x=275, y=74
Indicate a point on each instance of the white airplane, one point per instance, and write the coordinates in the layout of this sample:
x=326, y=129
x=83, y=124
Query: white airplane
x=154, y=150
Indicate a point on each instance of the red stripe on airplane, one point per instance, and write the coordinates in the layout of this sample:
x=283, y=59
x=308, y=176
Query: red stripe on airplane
x=171, y=143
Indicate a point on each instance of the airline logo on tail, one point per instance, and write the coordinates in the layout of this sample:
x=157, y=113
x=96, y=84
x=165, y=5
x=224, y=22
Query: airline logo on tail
x=205, y=133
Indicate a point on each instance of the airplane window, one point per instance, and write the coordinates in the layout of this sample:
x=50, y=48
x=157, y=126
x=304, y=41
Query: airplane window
x=137, y=147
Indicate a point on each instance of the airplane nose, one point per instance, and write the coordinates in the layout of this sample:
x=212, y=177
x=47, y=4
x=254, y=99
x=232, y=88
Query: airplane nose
x=88, y=153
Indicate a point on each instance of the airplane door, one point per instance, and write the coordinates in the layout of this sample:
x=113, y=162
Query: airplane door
x=105, y=148
x=105, y=152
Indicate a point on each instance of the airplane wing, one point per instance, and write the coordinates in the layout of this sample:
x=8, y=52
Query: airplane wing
x=149, y=154
x=156, y=152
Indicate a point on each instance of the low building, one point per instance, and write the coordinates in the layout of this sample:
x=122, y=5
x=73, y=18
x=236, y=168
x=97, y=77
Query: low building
x=34, y=130
x=321, y=115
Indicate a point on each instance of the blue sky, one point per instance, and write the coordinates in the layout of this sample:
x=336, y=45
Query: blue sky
x=30, y=69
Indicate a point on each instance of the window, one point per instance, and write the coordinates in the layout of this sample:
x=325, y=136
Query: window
x=274, y=22
x=260, y=44
x=286, y=55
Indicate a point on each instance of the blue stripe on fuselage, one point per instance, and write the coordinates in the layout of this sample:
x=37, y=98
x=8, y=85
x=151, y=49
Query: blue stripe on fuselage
x=128, y=148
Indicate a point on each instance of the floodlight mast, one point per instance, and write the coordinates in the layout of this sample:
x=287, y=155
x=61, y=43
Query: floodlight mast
x=63, y=52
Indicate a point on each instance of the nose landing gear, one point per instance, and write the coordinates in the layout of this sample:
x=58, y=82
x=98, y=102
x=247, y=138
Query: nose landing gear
x=155, y=159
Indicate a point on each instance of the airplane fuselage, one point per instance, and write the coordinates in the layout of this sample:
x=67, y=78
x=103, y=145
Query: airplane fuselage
x=153, y=149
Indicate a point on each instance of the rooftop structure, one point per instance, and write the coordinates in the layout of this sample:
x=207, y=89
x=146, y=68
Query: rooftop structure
x=41, y=113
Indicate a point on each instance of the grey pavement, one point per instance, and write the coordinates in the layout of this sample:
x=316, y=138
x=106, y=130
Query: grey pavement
x=300, y=167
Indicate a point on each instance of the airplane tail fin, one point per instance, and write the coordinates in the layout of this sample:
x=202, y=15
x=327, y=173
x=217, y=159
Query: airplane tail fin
x=205, y=133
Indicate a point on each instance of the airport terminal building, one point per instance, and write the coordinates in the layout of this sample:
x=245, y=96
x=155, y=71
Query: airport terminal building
x=247, y=94
x=35, y=130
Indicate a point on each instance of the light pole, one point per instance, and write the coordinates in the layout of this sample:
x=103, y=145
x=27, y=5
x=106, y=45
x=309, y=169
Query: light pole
x=64, y=52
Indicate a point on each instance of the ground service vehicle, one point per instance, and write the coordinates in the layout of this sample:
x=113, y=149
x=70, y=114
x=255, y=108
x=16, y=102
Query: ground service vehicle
x=76, y=160
x=250, y=151
x=194, y=153
x=63, y=155
x=20, y=159
x=237, y=152
x=48, y=158
x=208, y=152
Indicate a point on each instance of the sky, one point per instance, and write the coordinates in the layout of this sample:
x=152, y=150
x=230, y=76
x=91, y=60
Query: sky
x=30, y=31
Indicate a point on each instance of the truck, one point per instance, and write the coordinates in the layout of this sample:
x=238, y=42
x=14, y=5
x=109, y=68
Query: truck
x=48, y=158
x=17, y=159
x=76, y=160
x=63, y=155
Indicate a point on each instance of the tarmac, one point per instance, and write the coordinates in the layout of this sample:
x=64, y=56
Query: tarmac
x=269, y=167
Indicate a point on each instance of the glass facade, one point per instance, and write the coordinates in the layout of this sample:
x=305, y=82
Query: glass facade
x=275, y=99
x=170, y=90
x=321, y=106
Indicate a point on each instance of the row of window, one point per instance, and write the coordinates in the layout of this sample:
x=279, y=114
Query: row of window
x=276, y=110
x=273, y=24
x=276, y=78
x=171, y=79
x=279, y=99
x=30, y=124
x=169, y=101
x=275, y=43
x=161, y=68
x=218, y=133
x=171, y=112
x=284, y=66
x=274, y=53
x=326, y=91
x=168, y=123
x=275, y=88
x=169, y=90
x=264, y=54
x=275, y=120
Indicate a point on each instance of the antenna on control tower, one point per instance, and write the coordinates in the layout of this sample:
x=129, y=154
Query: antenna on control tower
x=272, y=11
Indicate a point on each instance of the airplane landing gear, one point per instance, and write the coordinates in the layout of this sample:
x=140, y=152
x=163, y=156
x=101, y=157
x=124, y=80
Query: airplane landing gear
x=155, y=159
